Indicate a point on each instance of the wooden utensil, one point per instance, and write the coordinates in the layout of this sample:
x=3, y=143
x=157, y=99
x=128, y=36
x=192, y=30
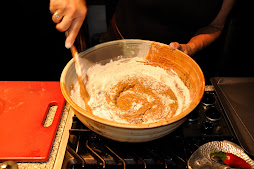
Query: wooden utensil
x=83, y=92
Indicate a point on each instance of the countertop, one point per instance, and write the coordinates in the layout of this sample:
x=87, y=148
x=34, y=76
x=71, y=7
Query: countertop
x=59, y=145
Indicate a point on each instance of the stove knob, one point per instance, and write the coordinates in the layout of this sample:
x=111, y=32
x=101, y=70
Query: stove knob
x=194, y=115
x=212, y=113
x=208, y=99
x=207, y=127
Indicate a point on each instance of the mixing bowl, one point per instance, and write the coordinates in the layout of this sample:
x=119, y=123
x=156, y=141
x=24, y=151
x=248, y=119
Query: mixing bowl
x=186, y=68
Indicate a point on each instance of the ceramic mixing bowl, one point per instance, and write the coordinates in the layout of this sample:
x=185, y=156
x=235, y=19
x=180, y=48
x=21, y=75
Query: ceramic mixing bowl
x=186, y=68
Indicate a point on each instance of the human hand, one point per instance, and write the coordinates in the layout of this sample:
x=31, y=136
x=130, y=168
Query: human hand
x=185, y=48
x=69, y=16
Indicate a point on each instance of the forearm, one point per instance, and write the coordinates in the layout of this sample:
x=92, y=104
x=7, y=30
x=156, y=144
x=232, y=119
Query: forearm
x=203, y=38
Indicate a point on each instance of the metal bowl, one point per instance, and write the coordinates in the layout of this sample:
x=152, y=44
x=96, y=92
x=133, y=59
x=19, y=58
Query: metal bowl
x=186, y=68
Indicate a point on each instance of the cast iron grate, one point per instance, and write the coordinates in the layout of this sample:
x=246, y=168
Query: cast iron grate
x=89, y=150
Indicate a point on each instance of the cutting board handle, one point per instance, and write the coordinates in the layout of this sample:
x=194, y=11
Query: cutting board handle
x=53, y=111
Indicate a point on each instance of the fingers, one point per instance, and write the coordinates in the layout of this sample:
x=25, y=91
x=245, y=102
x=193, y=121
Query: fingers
x=73, y=32
x=54, y=6
x=175, y=45
x=64, y=24
x=181, y=47
x=185, y=48
x=72, y=25
x=57, y=16
x=69, y=16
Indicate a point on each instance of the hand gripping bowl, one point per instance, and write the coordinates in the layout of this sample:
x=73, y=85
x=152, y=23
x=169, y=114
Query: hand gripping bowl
x=186, y=68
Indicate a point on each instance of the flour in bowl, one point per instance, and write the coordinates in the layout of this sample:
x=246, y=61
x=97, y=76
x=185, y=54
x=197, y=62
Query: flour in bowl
x=133, y=91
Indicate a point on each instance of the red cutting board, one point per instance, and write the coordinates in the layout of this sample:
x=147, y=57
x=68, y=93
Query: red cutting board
x=23, y=109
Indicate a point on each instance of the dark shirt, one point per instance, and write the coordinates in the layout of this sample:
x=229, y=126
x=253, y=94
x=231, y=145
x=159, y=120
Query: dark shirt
x=165, y=20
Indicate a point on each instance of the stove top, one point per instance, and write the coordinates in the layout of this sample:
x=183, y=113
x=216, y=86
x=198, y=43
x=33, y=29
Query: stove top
x=206, y=123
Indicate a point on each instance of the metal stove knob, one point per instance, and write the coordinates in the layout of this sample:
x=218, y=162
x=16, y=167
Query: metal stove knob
x=208, y=99
x=212, y=113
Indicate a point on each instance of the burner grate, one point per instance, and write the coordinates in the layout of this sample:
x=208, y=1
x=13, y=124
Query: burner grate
x=89, y=150
x=86, y=149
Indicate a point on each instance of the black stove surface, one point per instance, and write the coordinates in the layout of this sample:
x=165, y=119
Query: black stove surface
x=206, y=123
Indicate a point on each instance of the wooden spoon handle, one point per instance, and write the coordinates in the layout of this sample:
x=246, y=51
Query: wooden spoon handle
x=73, y=48
x=83, y=92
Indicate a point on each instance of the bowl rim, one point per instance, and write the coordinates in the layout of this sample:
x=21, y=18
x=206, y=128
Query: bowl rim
x=126, y=125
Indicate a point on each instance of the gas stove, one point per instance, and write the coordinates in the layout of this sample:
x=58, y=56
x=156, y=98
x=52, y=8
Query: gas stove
x=86, y=149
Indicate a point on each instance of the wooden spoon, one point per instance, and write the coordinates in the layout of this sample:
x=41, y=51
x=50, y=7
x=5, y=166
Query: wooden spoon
x=83, y=92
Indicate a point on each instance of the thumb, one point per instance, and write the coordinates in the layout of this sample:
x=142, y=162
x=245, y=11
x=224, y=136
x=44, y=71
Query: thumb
x=174, y=45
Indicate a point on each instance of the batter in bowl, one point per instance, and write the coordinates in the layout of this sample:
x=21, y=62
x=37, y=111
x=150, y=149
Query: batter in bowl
x=133, y=91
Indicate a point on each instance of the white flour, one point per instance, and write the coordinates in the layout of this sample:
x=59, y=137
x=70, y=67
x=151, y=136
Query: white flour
x=105, y=93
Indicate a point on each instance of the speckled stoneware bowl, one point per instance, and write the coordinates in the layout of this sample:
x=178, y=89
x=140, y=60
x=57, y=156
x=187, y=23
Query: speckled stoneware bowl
x=186, y=68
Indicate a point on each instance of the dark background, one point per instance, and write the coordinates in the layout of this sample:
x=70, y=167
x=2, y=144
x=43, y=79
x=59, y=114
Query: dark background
x=34, y=50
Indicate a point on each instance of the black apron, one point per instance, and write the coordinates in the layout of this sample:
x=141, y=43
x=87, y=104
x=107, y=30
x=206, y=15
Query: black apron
x=164, y=20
